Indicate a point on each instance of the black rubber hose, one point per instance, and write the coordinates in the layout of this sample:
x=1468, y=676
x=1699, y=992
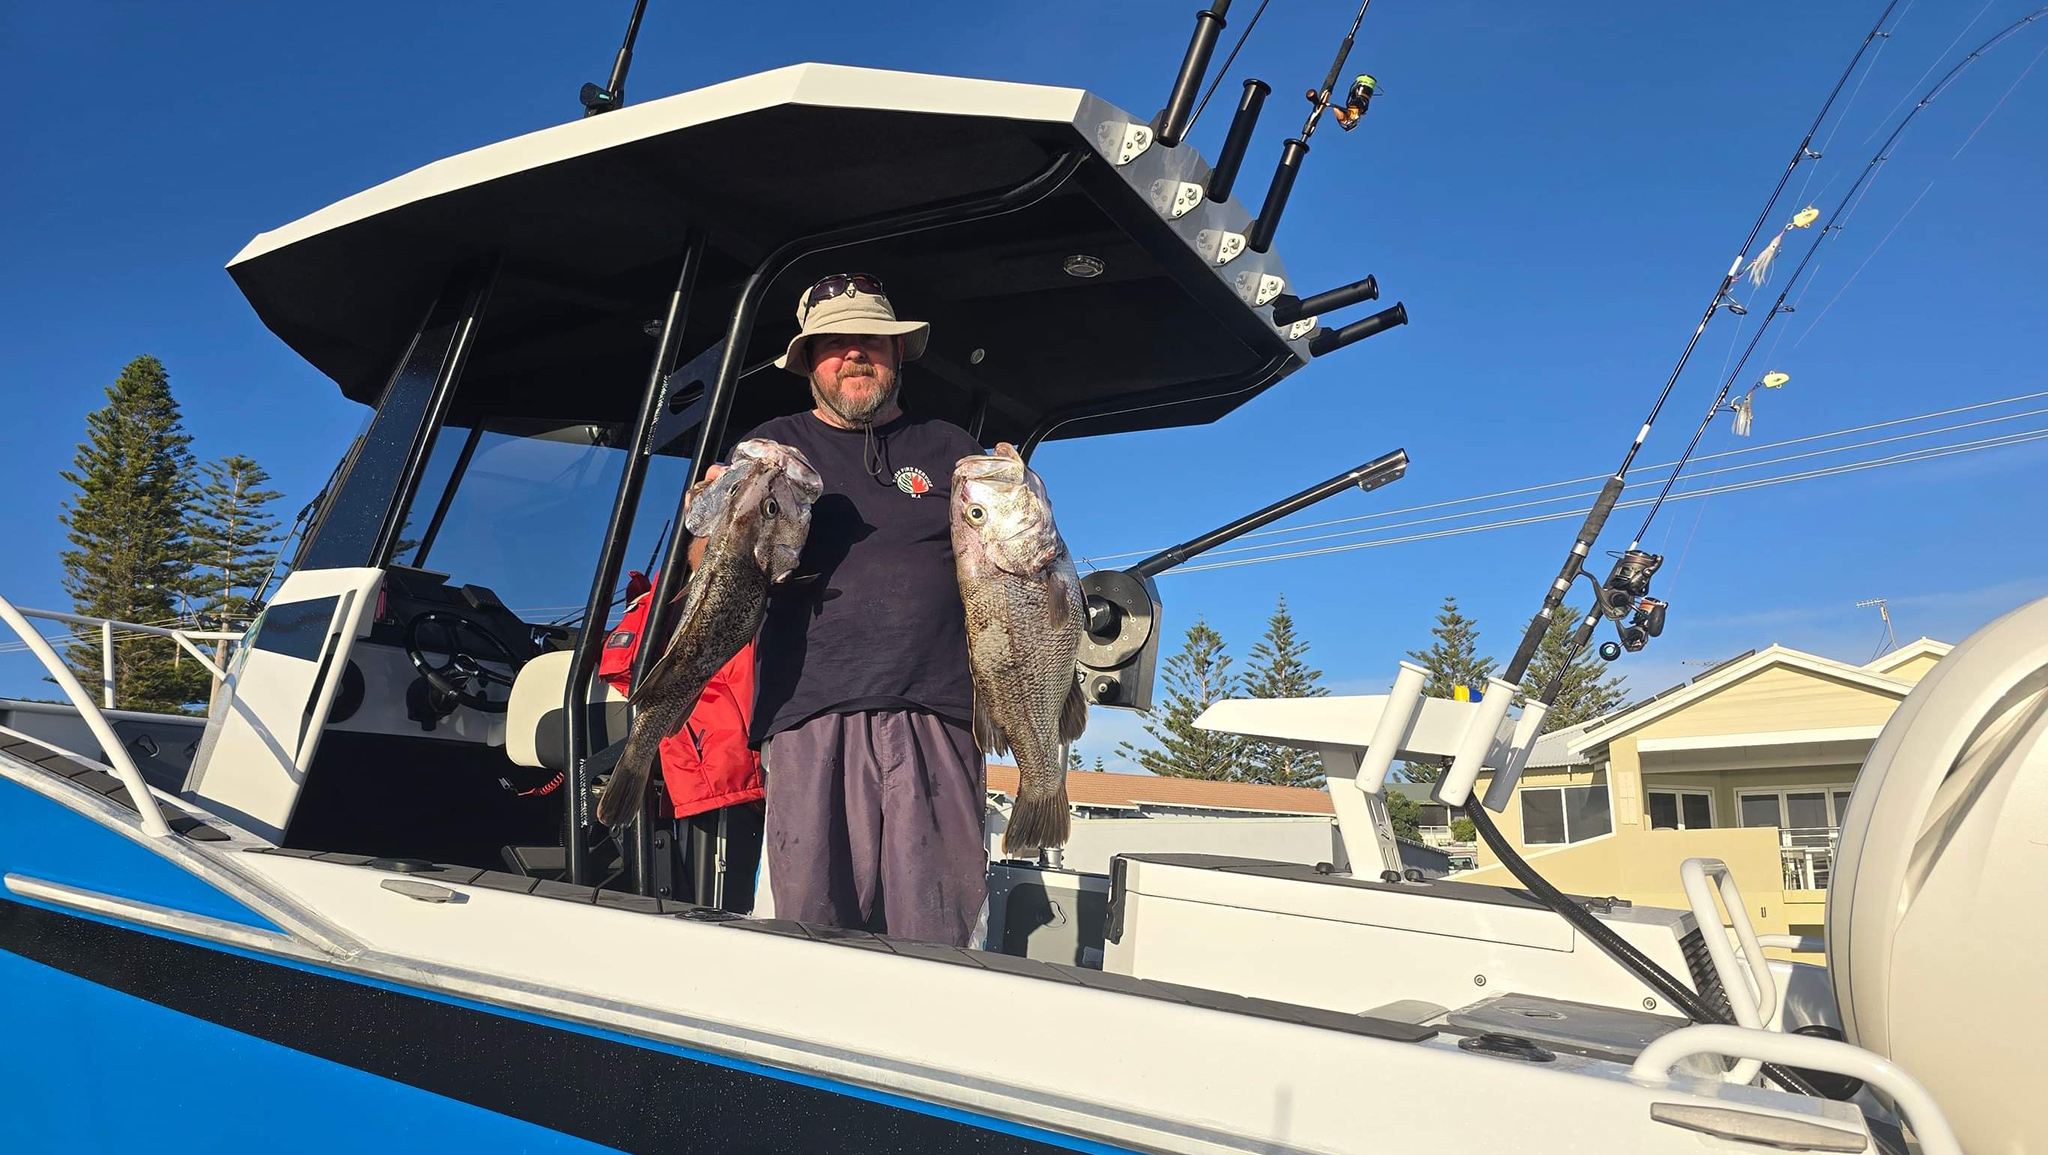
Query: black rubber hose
x=1616, y=947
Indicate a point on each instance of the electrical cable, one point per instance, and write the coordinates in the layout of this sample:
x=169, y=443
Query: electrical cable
x=1929, y=453
x=1651, y=480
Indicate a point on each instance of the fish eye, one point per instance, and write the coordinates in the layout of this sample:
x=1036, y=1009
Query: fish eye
x=976, y=513
x=769, y=507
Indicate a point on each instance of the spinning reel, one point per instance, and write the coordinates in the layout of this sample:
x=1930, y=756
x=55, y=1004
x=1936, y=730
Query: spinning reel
x=1626, y=595
x=1356, y=102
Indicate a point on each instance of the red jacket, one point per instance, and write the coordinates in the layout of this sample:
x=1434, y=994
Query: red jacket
x=706, y=764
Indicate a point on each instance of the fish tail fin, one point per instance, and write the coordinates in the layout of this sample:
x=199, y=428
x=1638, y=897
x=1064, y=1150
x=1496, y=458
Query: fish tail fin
x=628, y=786
x=1038, y=823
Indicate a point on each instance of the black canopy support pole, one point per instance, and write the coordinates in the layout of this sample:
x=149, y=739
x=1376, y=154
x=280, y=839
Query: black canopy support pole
x=1213, y=389
x=718, y=400
x=475, y=301
x=597, y=608
x=448, y=493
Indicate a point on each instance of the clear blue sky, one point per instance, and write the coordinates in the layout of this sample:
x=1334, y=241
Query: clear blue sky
x=1553, y=192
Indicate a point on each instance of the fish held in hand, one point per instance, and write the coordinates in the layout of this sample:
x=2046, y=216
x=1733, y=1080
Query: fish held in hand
x=1024, y=620
x=754, y=518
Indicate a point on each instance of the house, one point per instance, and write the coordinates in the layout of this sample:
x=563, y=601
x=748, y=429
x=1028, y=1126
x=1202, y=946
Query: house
x=1433, y=819
x=1752, y=762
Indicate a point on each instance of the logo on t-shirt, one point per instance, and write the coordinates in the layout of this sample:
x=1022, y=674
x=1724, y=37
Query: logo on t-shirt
x=913, y=481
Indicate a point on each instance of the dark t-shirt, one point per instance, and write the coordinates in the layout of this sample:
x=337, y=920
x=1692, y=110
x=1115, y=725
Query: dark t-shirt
x=872, y=619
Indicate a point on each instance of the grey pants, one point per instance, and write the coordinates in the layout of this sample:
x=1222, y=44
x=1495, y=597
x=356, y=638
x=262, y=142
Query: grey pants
x=875, y=821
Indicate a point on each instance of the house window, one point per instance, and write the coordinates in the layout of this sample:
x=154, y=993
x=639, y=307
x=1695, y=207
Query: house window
x=1552, y=815
x=1673, y=809
x=1803, y=815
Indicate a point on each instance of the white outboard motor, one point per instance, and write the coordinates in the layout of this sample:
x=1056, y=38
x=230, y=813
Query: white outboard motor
x=1938, y=915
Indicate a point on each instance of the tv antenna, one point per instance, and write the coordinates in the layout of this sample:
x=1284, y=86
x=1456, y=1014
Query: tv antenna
x=1891, y=641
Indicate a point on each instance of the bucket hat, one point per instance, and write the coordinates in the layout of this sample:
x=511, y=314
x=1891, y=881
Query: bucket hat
x=853, y=306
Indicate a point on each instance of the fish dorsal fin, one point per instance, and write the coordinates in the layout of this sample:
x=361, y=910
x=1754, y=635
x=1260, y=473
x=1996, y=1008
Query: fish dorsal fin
x=1073, y=713
x=988, y=737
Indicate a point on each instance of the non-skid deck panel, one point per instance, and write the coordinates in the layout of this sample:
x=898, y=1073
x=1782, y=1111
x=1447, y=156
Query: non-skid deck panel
x=862, y=940
x=105, y=785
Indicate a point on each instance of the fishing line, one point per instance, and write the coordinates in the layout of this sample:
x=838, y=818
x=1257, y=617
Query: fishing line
x=1748, y=449
x=1815, y=323
x=2001, y=102
x=1906, y=95
x=1225, y=70
x=1862, y=182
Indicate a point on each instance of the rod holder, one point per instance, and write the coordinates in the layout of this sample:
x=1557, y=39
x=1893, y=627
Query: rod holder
x=1327, y=340
x=1223, y=175
x=1288, y=308
x=1180, y=104
x=1392, y=729
x=1261, y=236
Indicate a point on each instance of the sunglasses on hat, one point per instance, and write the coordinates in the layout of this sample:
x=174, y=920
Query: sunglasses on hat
x=842, y=285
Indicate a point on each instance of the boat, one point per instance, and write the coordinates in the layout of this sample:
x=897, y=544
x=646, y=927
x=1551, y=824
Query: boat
x=363, y=904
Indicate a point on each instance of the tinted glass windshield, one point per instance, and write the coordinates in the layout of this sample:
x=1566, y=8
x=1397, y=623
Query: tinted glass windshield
x=520, y=506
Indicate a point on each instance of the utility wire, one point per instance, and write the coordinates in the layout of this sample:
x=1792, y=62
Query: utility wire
x=1928, y=453
x=1651, y=469
x=1632, y=485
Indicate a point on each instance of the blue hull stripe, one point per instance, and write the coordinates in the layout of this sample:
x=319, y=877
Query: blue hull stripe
x=558, y=1060
x=44, y=840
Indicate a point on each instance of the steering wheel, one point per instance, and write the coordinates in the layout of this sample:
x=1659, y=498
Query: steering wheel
x=463, y=677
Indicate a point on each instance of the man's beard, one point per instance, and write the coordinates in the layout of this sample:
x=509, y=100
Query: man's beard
x=856, y=410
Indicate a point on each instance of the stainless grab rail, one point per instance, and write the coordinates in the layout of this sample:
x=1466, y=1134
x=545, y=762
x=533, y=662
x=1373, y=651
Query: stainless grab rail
x=112, y=751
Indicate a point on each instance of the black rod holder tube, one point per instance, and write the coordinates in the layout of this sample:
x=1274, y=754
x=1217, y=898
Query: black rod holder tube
x=1223, y=175
x=1261, y=237
x=597, y=607
x=1331, y=340
x=1180, y=103
x=1368, y=477
x=1288, y=308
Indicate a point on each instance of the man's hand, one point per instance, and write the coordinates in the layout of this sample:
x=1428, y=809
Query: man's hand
x=695, y=552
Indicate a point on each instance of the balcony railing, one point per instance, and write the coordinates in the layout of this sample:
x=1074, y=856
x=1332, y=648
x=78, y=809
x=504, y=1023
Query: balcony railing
x=1807, y=854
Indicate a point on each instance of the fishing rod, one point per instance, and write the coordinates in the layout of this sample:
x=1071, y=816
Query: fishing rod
x=1625, y=594
x=1630, y=581
x=1260, y=238
x=1634, y=572
x=613, y=94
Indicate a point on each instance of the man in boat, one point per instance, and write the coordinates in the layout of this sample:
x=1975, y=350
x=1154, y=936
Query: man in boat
x=863, y=705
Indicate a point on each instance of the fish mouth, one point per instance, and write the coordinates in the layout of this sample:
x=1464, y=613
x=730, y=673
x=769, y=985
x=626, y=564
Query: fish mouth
x=782, y=562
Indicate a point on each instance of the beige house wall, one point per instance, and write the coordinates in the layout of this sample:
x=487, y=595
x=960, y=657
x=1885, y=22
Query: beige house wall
x=1777, y=698
x=1914, y=669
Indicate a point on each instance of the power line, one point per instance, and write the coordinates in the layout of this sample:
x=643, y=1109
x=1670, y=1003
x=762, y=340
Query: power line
x=1645, y=481
x=1520, y=490
x=1929, y=453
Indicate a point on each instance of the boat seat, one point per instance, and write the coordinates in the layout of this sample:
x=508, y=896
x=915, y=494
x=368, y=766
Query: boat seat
x=534, y=731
